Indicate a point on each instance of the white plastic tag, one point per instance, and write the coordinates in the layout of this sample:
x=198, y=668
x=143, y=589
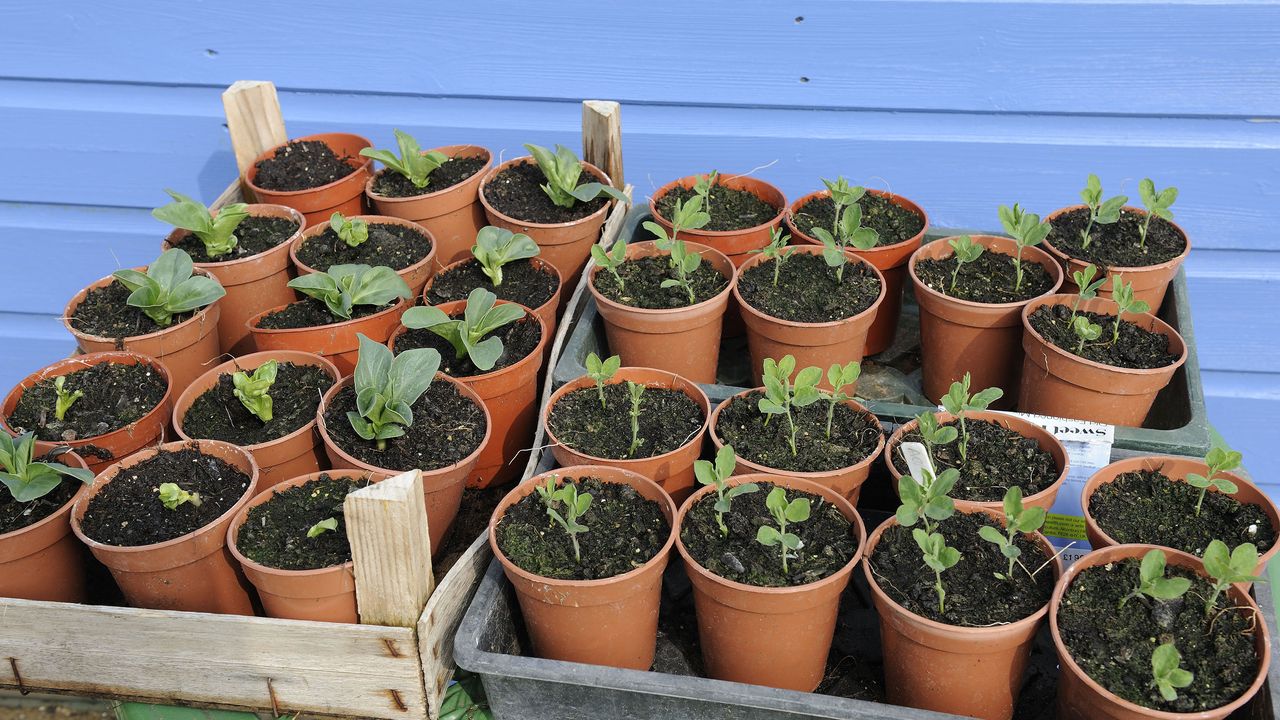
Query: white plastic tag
x=918, y=461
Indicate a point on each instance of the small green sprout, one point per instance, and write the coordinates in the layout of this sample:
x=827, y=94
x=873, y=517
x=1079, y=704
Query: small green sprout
x=322, y=527
x=925, y=499
x=173, y=496
x=1157, y=204
x=66, y=398
x=636, y=392
x=780, y=394
x=688, y=215
x=561, y=171
x=251, y=389
x=1026, y=230
x=1088, y=287
x=1122, y=294
x=702, y=188
x=169, y=287
x=1152, y=582
x=934, y=433
x=1085, y=330
x=343, y=287
x=1165, y=670
x=352, y=231
x=958, y=401
x=217, y=232
x=783, y=512
x=602, y=371
x=939, y=557
x=413, y=163
x=611, y=259
x=848, y=228
x=1229, y=567
x=387, y=386
x=497, y=246
x=575, y=506
x=1219, y=459
x=717, y=474
x=965, y=251
x=777, y=250
x=27, y=479
x=1102, y=212
x=1017, y=519
x=840, y=377
x=467, y=335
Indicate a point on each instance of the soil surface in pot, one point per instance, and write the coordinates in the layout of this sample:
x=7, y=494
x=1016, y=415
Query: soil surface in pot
x=641, y=285
x=128, y=512
x=893, y=223
x=1114, y=644
x=447, y=427
x=1137, y=348
x=729, y=209
x=998, y=458
x=517, y=193
x=312, y=313
x=808, y=291
x=254, y=234
x=668, y=420
x=522, y=283
x=854, y=435
x=1148, y=507
x=989, y=279
x=395, y=246
x=1116, y=245
x=219, y=415
x=975, y=597
x=518, y=340
x=115, y=395
x=827, y=536
x=105, y=312
x=16, y=515
x=275, y=532
x=624, y=531
x=301, y=165
x=392, y=184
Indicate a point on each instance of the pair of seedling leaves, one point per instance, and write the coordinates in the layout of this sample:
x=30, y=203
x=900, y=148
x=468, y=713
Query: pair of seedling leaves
x=847, y=230
x=781, y=393
x=1105, y=212
x=169, y=287
x=1122, y=294
x=561, y=170
x=575, y=506
x=412, y=162
x=28, y=479
x=958, y=402
x=601, y=372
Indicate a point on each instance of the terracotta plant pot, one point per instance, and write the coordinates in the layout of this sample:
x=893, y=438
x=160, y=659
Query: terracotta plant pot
x=510, y=396
x=890, y=260
x=453, y=215
x=847, y=481
x=415, y=276
x=337, y=342
x=120, y=443
x=442, y=488
x=738, y=624
x=1046, y=440
x=565, y=245
x=194, y=572
x=1081, y=698
x=186, y=348
x=324, y=594
x=548, y=311
x=289, y=456
x=253, y=283
x=1176, y=469
x=1058, y=383
x=735, y=244
x=44, y=561
x=613, y=621
x=1149, y=282
x=672, y=471
x=982, y=339
x=317, y=204
x=684, y=341
x=822, y=344
x=969, y=671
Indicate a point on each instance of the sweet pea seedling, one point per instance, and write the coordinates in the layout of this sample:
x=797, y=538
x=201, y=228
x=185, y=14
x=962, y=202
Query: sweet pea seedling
x=1085, y=330
x=172, y=496
x=777, y=250
x=497, y=246
x=387, y=386
x=688, y=215
x=850, y=234
x=1122, y=294
x=845, y=197
x=251, y=389
x=702, y=188
x=66, y=398
x=958, y=401
x=636, y=392
x=169, y=287
x=611, y=259
x=1152, y=582
x=783, y=512
x=602, y=371
x=27, y=479
x=414, y=164
x=343, y=287
x=352, y=231
x=840, y=377
x=467, y=334
x=1102, y=212
x=925, y=499
x=717, y=474
x=575, y=506
x=780, y=395
x=217, y=232
x=1088, y=287
x=1026, y=230
x=939, y=557
x=1017, y=519
x=322, y=527
x=934, y=433
x=1157, y=204
x=1229, y=567
x=1166, y=673
x=1219, y=459
x=965, y=251
x=561, y=171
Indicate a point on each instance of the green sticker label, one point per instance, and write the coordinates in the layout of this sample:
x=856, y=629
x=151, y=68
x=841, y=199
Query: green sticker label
x=1069, y=527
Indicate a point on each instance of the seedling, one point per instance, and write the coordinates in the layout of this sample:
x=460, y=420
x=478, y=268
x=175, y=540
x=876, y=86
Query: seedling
x=168, y=287
x=934, y=433
x=387, y=386
x=66, y=398
x=958, y=401
x=1165, y=670
x=777, y=250
x=217, y=232
x=322, y=527
x=636, y=392
x=173, y=497
x=939, y=557
x=780, y=394
x=1101, y=212
x=1085, y=330
x=414, y=164
x=925, y=499
x=1152, y=582
x=718, y=474
x=602, y=371
x=848, y=230
x=1026, y=230
x=1229, y=567
x=1122, y=294
x=497, y=246
x=688, y=215
x=27, y=479
x=561, y=171
x=352, y=231
x=575, y=506
x=1017, y=519
x=840, y=377
x=1219, y=459
x=965, y=251
x=1157, y=204
x=343, y=287
x=1084, y=280
x=702, y=188
x=611, y=259
x=783, y=512
x=481, y=317
x=251, y=389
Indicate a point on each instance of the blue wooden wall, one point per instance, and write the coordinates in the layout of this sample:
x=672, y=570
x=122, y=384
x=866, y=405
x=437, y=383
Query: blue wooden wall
x=959, y=105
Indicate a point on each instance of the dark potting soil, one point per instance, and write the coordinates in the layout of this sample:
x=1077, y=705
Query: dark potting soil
x=219, y=415
x=668, y=420
x=808, y=291
x=975, y=597
x=1116, y=245
x=827, y=536
x=312, y=313
x=624, y=531
x=894, y=224
x=390, y=183
x=128, y=512
x=854, y=435
x=642, y=284
x=254, y=234
x=522, y=283
x=517, y=193
x=518, y=340
x=105, y=312
x=447, y=427
x=275, y=533
x=730, y=209
x=115, y=395
x=395, y=246
x=998, y=459
x=16, y=515
x=301, y=165
x=471, y=521
x=1114, y=644
x=1148, y=507
x=989, y=279
x=1137, y=348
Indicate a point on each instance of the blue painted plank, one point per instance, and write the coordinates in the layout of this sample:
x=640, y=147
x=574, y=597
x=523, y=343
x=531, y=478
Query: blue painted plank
x=1243, y=407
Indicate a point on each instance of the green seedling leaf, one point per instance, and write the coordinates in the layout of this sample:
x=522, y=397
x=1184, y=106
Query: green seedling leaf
x=169, y=287
x=66, y=398
x=343, y=287
x=1157, y=205
x=1101, y=212
x=26, y=479
x=172, y=496
x=718, y=474
x=783, y=512
x=352, y=231
x=387, y=386
x=1228, y=568
x=251, y=389
x=1151, y=580
x=561, y=171
x=602, y=371
x=322, y=527
x=215, y=230
x=412, y=162
x=472, y=335
x=497, y=246
x=1167, y=673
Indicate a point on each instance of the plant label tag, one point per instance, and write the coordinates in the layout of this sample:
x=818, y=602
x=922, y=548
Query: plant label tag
x=918, y=461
